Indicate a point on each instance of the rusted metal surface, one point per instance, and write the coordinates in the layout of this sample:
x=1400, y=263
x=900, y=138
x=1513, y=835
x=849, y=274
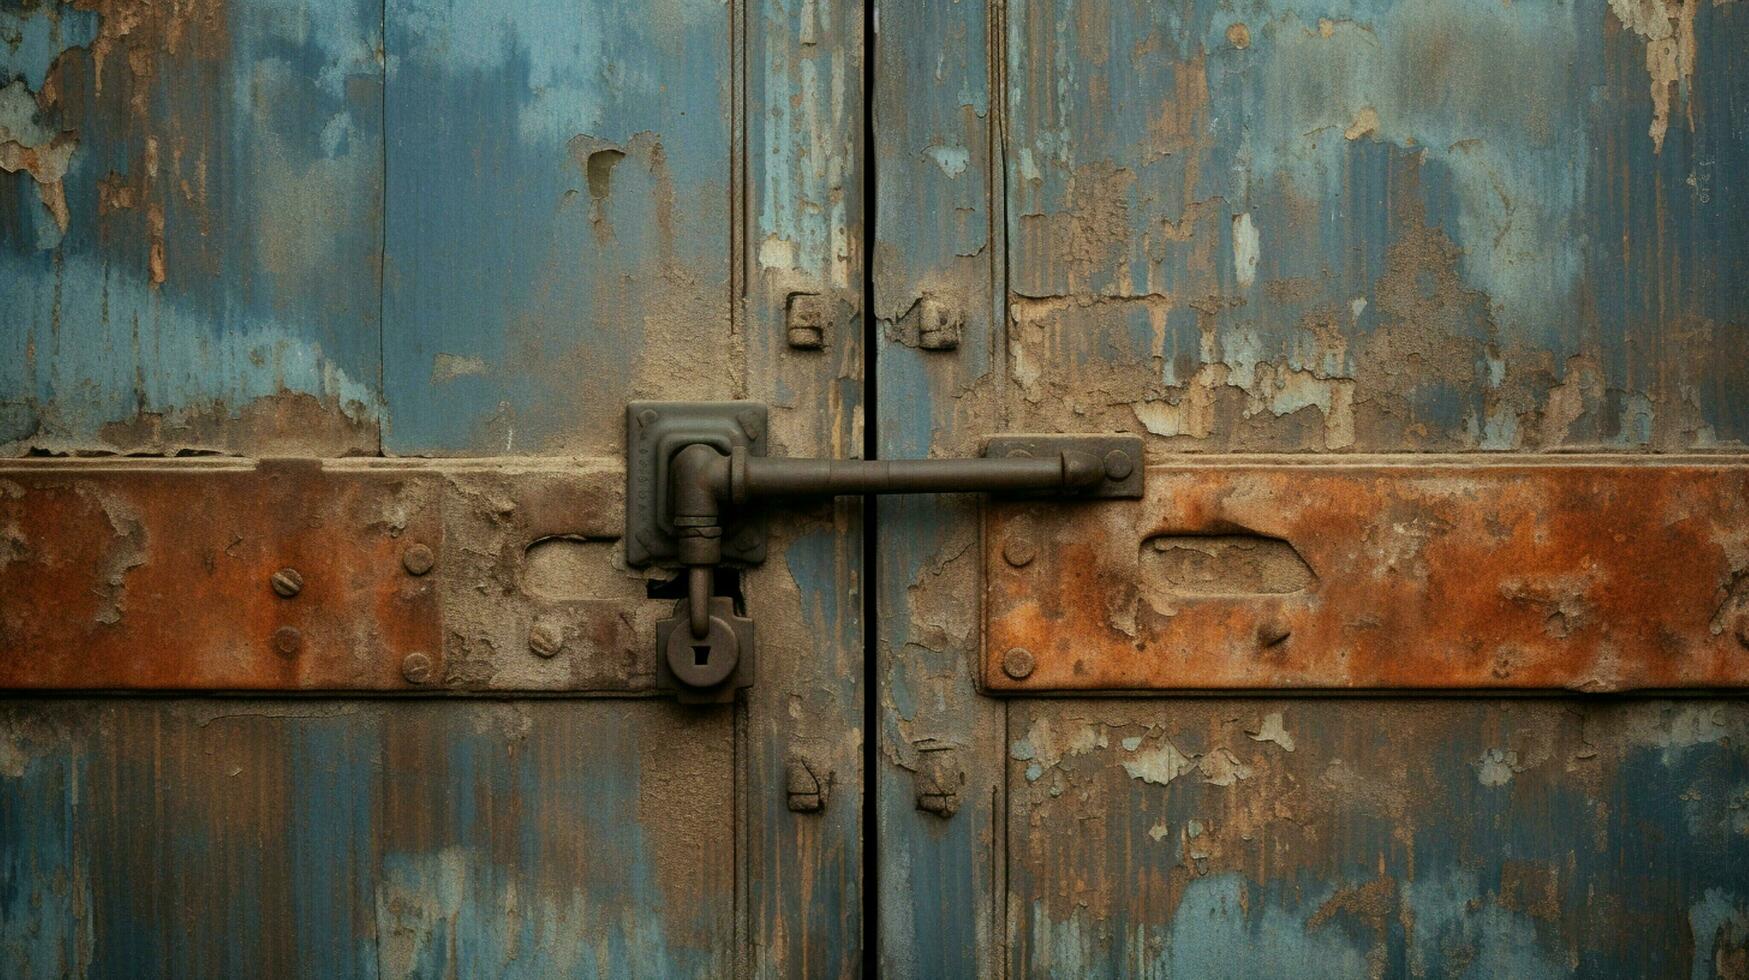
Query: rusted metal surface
x=303, y=575
x=1585, y=575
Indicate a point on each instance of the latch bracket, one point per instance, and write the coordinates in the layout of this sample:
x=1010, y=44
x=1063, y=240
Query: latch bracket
x=697, y=471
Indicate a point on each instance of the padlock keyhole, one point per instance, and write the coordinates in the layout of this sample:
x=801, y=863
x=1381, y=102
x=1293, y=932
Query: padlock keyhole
x=701, y=655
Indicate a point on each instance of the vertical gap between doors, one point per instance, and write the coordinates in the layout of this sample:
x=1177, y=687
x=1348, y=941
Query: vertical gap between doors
x=870, y=509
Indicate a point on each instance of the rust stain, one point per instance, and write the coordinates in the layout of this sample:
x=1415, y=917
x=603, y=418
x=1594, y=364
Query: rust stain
x=1578, y=574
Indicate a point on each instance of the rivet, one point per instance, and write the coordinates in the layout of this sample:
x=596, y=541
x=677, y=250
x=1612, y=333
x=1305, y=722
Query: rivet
x=805, y=789
x=416, y=667
x=417, y=559
x=1019, y=550
x=1270, y=634
x=1118, y=465
x=806, y=317
x=940, y=325
x=1018, y=663
x=546, y=639
x=647, y=417
x=287, y=641
x=287, y=582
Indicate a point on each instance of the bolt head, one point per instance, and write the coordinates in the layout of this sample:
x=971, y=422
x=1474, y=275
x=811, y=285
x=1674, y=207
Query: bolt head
x=1118, y=465
x=1018, y=663
x=287, y=641
x=805, y=320
x=417, y=559
x=940, y=326
x=1019, y=550
x=416, y=667
x=546, y=639
x=287, y=582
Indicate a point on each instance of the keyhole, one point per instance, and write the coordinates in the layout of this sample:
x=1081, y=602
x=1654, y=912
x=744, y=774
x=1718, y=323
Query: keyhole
x=701, y=655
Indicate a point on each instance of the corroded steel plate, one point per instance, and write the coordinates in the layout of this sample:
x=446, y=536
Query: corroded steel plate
x=1575, y=573
x=307, y=575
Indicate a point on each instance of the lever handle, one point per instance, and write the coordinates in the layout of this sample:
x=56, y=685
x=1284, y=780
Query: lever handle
x=752, y=478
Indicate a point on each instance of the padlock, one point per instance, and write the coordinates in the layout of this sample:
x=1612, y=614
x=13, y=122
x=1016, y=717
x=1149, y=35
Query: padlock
x=705, y=669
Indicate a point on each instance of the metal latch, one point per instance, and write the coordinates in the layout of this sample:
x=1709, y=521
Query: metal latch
x=697, y=472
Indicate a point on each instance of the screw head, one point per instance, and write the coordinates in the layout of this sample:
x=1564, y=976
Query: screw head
x=287, y=582
x=1019, y=550
x=418, y=559
x=287, y=641
x=1118, y=465
x=1018, y=663
x=749, y=424
x=416, y=667
x=546, y=639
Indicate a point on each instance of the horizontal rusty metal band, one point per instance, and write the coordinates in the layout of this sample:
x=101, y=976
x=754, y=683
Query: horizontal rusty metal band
x=307, y=575
x=1574, y=573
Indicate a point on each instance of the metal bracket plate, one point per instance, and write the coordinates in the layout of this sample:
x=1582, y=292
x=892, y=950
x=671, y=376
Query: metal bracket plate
x=1122, y=456
x=1383, y=573
x=655, y=431
x=306, y=575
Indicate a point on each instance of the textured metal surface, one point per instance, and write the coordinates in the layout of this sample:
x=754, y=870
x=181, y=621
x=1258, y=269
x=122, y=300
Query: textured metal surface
x=307, y=575
x=225, y=576
x=173, y=837
x=1582, y=575
x=1342, y=838
x=191, y=226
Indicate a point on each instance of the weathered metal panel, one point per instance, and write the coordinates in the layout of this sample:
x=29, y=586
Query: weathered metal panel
x=1357, y=837
x=1588, y=574
x=568, y=216
x=937, y=251
x=1376, y=226
x=801, y=272
x=190, y=219
x=558, y=231
x=365, y=839
x=1381, y=225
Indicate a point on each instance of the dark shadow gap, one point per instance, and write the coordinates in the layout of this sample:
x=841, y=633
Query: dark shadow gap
x=870, y=537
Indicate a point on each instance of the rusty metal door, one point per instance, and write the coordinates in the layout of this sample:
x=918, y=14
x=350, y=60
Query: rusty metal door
x=318, y=322
x=1422, y=655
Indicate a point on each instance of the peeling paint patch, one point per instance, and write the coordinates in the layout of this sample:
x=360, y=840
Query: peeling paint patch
x=1366, y=122
x=1270, y=729
x=951, y=159
x=29, y=147
x=1668, y=30
x=1245, y=250
x=448, y=367
x=1497, y=767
